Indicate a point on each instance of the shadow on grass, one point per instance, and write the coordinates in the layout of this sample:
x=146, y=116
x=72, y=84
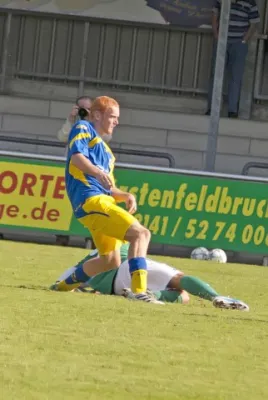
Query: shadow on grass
x=28, y=287
x=204, y=315
x=45, y=288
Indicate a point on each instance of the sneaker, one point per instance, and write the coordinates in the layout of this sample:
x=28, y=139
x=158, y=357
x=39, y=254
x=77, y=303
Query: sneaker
x=81, y=290
x=229, y=303
x=85, y=290
x=61, y=286
x=232, y=115
x=148, y=297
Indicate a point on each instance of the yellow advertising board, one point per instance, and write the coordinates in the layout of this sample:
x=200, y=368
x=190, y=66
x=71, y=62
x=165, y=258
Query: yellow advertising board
x=33, y=195
x=179, y=209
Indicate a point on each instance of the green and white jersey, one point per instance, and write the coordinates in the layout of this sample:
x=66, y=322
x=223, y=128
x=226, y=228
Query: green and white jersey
x=116, y=280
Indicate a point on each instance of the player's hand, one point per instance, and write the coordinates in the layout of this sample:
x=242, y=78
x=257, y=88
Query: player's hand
x=104, y=180
x=73, y=114
x=131, y=203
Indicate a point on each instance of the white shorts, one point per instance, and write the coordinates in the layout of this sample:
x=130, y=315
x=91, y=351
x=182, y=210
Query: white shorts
x=159, y=275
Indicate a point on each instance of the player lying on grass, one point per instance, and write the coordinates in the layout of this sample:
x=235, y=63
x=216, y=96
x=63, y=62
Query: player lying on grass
x=166, y=283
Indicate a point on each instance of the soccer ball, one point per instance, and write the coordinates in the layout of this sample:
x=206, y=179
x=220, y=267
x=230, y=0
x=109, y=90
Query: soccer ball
x=218, y=255
x=200, y=253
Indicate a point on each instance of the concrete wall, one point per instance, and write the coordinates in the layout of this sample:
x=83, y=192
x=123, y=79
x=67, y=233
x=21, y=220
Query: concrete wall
x=147, y=122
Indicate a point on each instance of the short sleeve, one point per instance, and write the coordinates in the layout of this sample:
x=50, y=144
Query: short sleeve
x=78, y=139
x=254, y=16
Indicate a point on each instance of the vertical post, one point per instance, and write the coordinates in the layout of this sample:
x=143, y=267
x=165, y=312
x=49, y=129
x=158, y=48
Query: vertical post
x=217, y=86
x=258, y=70
x=83, y=60
x=5, y=51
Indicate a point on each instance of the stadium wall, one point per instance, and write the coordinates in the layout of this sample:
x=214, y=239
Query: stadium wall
x=37, y=110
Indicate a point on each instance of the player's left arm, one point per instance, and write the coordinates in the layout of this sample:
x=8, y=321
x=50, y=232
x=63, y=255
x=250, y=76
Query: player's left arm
x=125, y=197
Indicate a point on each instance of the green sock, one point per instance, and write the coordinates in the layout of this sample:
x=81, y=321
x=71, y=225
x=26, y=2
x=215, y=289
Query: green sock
x=169, y=296
x=124, y=252
x=197, y=287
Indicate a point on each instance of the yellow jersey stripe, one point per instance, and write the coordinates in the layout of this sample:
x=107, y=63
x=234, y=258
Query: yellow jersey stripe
x=80, y=136
x=95, y=141
x=108, y=150
x=77, y=174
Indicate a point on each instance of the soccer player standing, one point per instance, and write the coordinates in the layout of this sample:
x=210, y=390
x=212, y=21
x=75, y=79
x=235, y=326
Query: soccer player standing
x=92, y=192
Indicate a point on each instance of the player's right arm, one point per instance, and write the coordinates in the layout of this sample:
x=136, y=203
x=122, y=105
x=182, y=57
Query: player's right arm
x=86, y=166
x=78, y=151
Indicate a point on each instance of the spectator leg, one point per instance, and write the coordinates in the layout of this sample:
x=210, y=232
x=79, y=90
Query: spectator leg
x=236, y=64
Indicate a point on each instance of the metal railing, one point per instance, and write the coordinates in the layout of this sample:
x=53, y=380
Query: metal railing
x=140, y=167
x=114, y=54
x=132, y=152
x=140, y=57
x=261, y=76
x=253, y=164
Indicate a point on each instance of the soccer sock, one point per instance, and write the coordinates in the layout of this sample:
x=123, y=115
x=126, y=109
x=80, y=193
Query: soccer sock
x=74, y=280
x=138, y=272
x=197, y=287
x=65, y=274
x=168, y=296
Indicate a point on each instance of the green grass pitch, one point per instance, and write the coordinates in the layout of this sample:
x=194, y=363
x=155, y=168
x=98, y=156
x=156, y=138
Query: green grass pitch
x=82, y=346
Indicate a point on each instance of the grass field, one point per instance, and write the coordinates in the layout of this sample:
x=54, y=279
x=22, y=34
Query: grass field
x=81, y=346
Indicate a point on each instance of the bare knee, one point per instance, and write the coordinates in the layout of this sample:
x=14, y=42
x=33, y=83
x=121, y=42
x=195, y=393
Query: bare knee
x=144, y=234
x=184, y=297
x=111, y=260
x=102, y=263
x=137, y=232
x=174, y=283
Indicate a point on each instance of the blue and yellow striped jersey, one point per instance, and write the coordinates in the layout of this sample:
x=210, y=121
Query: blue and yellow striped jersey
x=84, y=139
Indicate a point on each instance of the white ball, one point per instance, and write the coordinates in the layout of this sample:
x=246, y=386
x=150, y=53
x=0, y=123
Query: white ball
x=218, y=255
x=200, y=253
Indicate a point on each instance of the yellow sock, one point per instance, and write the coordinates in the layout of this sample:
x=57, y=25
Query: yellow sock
x=139, y=281
x=67, y=287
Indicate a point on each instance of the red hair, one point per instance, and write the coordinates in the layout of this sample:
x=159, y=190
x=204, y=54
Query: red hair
x=102, y=104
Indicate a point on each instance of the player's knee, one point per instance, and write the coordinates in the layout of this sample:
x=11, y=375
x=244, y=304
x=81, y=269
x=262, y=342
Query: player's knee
x=184, y=297
x=112, y=259
x=137, y=232
x=145, y=234
x=174, y=283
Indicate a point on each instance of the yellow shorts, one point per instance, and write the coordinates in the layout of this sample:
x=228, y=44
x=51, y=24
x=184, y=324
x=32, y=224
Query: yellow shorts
x=107, y=222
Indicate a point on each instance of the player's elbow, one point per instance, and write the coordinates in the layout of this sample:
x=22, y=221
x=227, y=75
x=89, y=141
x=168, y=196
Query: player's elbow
x=62, y=137
x=76, y=160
